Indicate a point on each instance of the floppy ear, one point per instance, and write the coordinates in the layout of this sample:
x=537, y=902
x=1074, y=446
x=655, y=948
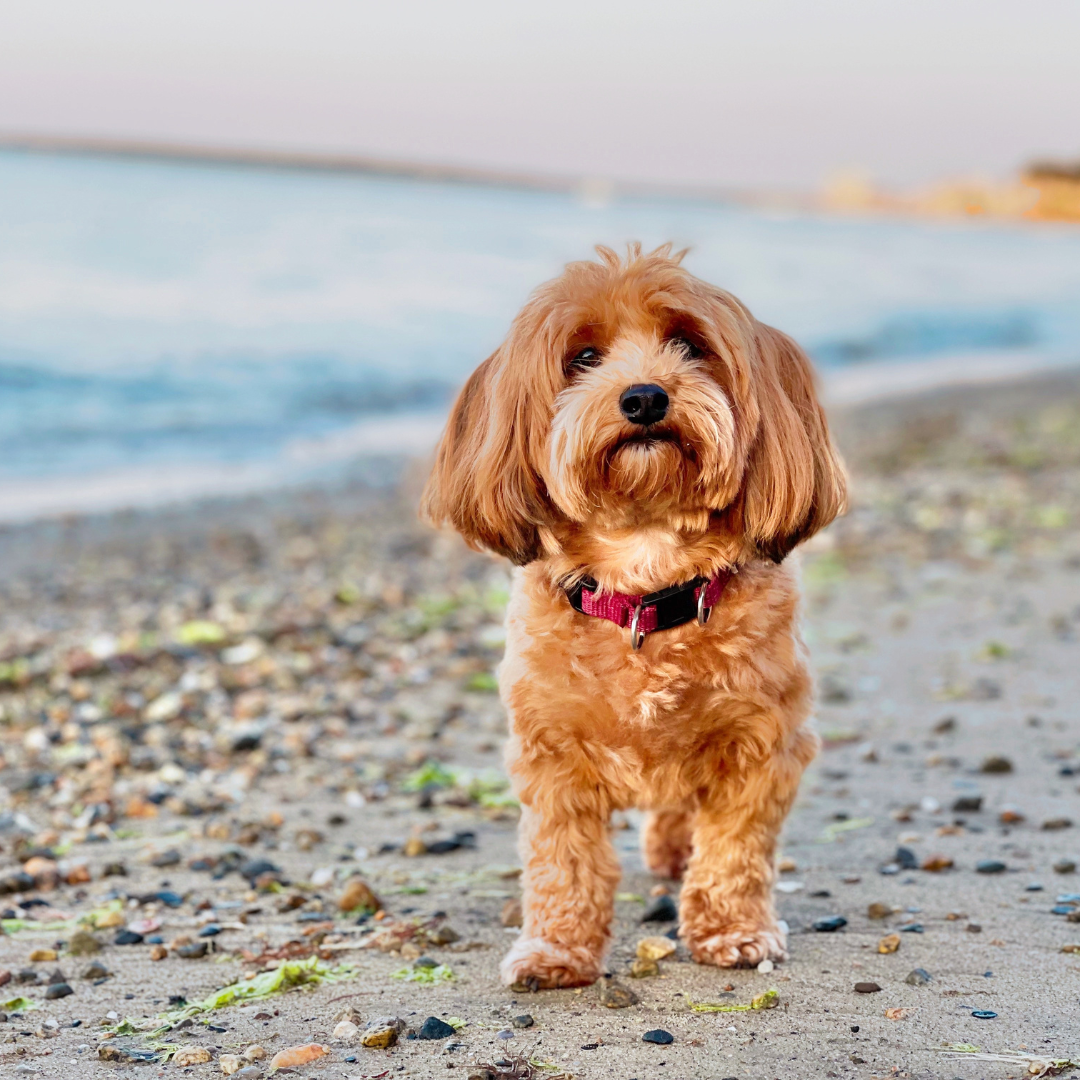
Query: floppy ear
x=483, y=483
x=794, y=483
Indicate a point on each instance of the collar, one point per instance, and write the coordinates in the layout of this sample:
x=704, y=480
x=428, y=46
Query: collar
x=673, y=606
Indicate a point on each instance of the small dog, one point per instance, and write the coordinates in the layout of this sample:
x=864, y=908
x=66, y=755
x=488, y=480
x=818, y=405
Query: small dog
x=646, y=453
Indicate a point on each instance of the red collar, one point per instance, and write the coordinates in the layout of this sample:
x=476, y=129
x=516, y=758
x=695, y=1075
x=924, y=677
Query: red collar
x=661, y=610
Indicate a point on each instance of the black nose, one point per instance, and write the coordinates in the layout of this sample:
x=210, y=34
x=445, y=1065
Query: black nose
x=644, y=404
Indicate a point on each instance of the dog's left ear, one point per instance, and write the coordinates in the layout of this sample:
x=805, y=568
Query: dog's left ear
x=794, y=483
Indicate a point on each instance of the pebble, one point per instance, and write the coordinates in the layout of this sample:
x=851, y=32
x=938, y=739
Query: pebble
x=644, y=969
x=511, y=914
x=506, y=1033
x=254, y=1053
x=613, y=995
x=967, y=804
x=58, y=990
x=1064, y=866
x=830, y=925
x=918, y=977
x=292, y=1056
x=190, y=1055
x=230, y=1063
x=658, y=1036
x=905, y=859
x=83, y=943
x=96, y=970
x=381, y=1032
x=996, y=764
x=990, y=866
x=936, y=863
x=878, y=910
x=196, y=950
x=867, y=988
x=889, y=944
x=661, y=909
x=765, y=967
x=655, y=948
x=158, y=952
x=41, y=956
x=1054, y=824
x=346, y=1031
x=434, y=1028
x=523, y=1021
x=358, y=895
x=128, y=937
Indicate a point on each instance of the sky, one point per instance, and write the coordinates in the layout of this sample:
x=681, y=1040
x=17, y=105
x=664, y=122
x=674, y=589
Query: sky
x=777, y=94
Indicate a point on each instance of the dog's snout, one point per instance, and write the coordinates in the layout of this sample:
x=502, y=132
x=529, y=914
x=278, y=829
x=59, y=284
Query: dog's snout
x=644, y=404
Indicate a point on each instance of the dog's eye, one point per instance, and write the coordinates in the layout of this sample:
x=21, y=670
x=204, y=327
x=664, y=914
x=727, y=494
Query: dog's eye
x=688, y=346
x=589, y=357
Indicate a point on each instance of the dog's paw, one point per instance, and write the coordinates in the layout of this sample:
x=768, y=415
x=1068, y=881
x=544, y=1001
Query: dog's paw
x=543, y=965
x=739, y=946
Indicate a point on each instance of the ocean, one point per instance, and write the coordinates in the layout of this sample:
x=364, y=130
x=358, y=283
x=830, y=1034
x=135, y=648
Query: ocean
x=171, y=329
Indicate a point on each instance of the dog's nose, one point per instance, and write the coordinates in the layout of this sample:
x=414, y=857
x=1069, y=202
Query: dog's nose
x=644, y=404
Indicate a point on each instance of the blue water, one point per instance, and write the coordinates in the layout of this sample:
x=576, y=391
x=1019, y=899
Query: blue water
x=157, y=313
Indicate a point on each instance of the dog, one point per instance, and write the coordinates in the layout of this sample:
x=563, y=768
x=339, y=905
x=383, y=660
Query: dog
x=646, y=453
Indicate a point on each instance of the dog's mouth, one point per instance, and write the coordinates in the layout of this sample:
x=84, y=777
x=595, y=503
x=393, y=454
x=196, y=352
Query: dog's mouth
x=647, y=438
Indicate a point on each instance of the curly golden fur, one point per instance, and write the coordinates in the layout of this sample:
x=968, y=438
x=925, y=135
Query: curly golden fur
x=706, y=725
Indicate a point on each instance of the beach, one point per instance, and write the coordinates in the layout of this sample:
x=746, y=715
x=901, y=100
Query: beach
x=219, y=717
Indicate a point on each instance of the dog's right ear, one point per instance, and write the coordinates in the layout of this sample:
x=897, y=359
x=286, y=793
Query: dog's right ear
x=483, y=482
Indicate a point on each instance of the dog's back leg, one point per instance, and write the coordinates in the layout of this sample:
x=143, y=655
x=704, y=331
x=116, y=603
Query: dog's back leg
x=666, y=841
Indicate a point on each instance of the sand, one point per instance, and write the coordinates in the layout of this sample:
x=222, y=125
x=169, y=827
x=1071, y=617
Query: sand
x=333, y=647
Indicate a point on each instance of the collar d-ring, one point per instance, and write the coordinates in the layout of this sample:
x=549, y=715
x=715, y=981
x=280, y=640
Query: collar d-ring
x=636, y=636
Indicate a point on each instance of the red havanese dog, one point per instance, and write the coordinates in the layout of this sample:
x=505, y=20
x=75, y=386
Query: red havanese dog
x=646, y=453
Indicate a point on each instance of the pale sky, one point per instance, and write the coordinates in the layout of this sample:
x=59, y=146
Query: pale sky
x=775, y=93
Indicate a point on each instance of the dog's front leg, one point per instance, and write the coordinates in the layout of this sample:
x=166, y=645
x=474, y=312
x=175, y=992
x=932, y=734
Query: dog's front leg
x=569, y=879
x=726, y=910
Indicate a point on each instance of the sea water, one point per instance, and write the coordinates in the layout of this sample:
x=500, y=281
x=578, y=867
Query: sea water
x=172, y=328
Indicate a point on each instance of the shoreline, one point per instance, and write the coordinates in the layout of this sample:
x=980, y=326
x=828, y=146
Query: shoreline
x=376, y=453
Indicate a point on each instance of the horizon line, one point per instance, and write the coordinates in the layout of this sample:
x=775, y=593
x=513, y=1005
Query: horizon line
x=585, y=186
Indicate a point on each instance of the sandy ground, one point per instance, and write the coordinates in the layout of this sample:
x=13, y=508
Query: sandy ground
x=306, y=681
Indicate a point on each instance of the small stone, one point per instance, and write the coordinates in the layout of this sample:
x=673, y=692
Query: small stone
x=443, y=935
x=346, y=1031
x=905, y=859
x=127, y=937
x=878, y=910
x=662, y=909
x=83, y=943
x=109, y=919
x=613, y=995
x=990, y=866
x=967, y=804
x=973, y=928
x=644, y=969
x=42, y=956
x=358, y=896
x=889, y=944
x=523, y=1021
x=292, y=1056
x=936, y=863
x=1064, y=866
x=58, y=990
x=655, y=948
x=230, y=1063
x=996, y=764
x=258, y=868
x=506, y=1033
x=434, y=1028
x=765, y=967
x=382, y=1032
x=190, y=1055
x=1010, y=817
x=511, y=914
x=249, y=1072
x=172, y=857
x=831, y=925
x=918, y=977
x=158, y=952
x=414, y=846
x=867, y=988
x=1053, y=824
x=195, y=950
x=254, y=1053
x=658, y=1036
x=96, y=970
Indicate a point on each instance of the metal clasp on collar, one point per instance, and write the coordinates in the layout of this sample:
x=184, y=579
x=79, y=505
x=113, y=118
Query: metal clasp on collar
x=703, y=612
x=636, y=636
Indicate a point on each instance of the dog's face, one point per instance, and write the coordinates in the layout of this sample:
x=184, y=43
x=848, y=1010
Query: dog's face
x=630, y=393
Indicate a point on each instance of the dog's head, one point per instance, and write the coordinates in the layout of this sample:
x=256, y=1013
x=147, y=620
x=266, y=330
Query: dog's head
x=630, y=392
